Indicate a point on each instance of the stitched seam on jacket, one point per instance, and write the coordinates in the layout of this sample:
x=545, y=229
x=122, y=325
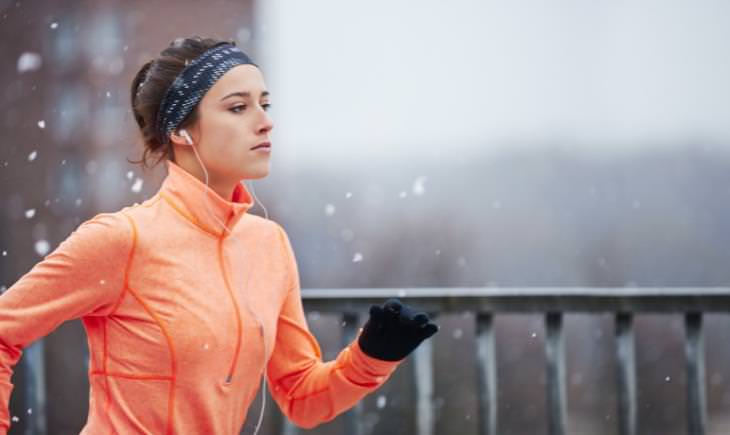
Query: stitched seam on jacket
x=239, y=326
x=129, y=264
x=149, y=377
x=105, y=356
x=173, y=360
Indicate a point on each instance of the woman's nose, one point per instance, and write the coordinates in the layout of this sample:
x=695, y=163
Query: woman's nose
x=266, y=123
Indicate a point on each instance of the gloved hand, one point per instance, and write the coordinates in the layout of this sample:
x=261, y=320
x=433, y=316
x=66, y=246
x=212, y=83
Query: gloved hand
x=394, y=330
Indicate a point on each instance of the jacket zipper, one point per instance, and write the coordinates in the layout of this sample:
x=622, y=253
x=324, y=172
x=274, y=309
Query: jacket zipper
x=239, y=327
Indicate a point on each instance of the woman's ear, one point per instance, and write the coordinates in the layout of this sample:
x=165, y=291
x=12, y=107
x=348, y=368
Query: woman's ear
x=181, y=137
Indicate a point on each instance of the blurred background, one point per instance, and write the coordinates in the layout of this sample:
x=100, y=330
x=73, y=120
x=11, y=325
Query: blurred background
x=417, y=144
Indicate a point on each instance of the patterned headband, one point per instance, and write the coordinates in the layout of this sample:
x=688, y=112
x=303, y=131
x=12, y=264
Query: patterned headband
x=193, y=82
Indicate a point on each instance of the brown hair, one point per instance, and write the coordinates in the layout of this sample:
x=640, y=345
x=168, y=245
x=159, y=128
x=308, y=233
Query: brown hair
x=150, y=84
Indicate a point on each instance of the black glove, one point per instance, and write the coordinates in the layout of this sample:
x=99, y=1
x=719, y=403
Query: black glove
x=394, y=330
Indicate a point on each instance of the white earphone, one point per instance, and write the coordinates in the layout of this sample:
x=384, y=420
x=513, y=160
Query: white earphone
x=185, y=134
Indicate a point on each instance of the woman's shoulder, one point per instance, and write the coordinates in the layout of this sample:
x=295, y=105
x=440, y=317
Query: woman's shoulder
x=266, y=228
x=105, y=230
x=105, y=237
x=260, y=223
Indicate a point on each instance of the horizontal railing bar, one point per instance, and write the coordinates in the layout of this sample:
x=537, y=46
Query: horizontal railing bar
x=527, y=299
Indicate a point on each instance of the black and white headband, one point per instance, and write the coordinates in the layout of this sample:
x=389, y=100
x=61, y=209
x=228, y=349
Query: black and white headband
x=193, y=82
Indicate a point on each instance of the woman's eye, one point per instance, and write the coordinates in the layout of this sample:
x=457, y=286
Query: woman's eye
x=239, y=109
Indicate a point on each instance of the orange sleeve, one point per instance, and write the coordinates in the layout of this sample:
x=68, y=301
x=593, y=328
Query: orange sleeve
x=308, y=390
x=84, y=275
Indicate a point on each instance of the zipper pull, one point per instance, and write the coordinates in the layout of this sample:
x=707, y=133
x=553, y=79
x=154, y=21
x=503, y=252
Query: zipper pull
x=228, y=380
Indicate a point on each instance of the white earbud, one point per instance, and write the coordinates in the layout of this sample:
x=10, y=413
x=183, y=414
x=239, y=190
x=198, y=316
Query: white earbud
x=185, y=134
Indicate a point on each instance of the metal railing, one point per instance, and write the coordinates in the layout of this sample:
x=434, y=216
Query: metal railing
x=553, y=303
x=485, y=303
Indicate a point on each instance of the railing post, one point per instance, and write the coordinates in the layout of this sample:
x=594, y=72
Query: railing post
x=350, y=324
x=555, y=359
x=695, y=353
x=35, y=384
x=626, y=376
x=423, y=373
x=487, y=374
x=288, y=428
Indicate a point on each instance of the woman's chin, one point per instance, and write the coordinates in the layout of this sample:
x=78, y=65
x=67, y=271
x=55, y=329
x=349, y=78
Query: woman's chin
x=258, y=172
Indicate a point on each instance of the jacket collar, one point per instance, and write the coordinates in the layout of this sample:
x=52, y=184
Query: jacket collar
x=186, y=194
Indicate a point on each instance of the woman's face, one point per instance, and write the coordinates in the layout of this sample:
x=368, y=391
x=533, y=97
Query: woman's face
x=232, y=119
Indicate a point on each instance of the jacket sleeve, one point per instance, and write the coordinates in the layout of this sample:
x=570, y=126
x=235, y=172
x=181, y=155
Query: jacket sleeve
x=308, y=390
x=83, y=276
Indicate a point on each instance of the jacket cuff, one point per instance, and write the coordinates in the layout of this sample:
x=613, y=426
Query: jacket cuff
x=374, y=366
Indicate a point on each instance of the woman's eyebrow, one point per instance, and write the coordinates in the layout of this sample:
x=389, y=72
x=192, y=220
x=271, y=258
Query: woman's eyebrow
x=244, y=94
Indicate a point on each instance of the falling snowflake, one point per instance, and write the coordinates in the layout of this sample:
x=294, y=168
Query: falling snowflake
x=5, y=253
x=137, y=186
x=403, y=194
x=348, y=195
x=29, y=61
x=42, y=124
x=108, y=94
x=42, y=247
x=329, y=209
x=357, y=258
x=30, y=213
x=130, y=174
x=32, y=156
x=458, y=333
x=381, y=402
x=15, y=419
x=418, y=186
x=78, y=202
x=54, y=25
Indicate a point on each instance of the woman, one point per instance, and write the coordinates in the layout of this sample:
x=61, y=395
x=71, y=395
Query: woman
x=188, y=300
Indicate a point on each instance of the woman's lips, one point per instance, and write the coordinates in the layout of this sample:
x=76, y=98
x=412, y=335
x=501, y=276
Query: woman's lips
x=266, y=145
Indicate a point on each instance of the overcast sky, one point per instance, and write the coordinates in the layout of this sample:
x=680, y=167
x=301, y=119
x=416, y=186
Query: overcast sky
x=404, y=78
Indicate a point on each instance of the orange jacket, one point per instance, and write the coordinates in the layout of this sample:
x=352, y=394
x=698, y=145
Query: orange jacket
x=171, y=306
